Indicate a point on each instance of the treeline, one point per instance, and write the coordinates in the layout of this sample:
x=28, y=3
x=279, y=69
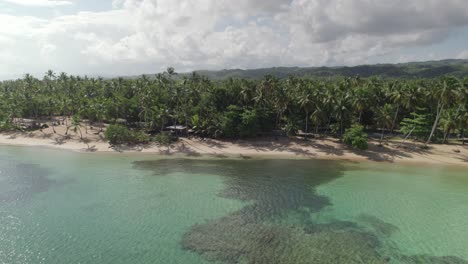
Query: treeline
x=428, y=109
x=411, y=70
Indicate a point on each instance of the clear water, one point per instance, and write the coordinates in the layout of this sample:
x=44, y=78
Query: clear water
x=64, y=207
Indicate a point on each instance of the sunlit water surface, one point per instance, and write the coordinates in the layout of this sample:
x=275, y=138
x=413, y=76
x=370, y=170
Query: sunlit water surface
x=63, y=207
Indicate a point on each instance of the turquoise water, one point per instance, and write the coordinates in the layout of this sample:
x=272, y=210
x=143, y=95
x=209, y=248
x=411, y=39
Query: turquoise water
x=64, y=207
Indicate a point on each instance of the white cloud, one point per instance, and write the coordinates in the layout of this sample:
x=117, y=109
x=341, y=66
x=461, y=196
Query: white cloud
x=117, y=3
x=463, y=55
x=39, y=2
x=148, y=35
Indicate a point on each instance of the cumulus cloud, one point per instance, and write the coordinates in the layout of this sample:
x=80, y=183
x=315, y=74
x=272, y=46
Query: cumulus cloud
x=463, y=55
x=39, y=2
x=138, y=36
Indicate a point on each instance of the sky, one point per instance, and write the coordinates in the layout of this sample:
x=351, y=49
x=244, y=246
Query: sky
x=131, y=37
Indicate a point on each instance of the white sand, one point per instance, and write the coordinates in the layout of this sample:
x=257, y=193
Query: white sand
x=287, y=148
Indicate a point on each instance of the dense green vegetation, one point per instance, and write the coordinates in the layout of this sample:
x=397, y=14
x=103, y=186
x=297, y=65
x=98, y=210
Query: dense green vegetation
x=429, y=69
x=428, y=109
x=356, y=137
x=118, y=134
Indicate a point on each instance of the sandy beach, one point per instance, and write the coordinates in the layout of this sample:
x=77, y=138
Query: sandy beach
x=323, y=148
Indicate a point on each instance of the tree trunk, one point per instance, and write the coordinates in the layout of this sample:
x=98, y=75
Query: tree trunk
x=277, y=120
x=439, y=111
x=407, y=136
x=341, y=125
x=307, y=124
x=382, y=135
x=328, y=126
x=186, y=126
x=463, y=136
x=53, y=125
x=394, y=119
x=445, y=135
x=360, y=115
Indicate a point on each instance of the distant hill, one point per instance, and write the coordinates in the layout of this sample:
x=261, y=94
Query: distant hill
x=428, y=69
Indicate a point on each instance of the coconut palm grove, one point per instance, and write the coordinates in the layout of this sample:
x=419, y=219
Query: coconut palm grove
x=429, y=110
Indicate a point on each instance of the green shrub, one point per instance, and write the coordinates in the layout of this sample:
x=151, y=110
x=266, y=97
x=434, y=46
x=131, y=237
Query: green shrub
x=231, y=120
x=6, y=125
x=356, y=137
x=291, y=127
x=118, y=134
x=238, y=122
x=249, y=124
x=419, y=125
x=139, y=137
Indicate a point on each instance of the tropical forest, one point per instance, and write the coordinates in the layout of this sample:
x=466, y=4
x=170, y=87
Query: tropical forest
x=428, y=110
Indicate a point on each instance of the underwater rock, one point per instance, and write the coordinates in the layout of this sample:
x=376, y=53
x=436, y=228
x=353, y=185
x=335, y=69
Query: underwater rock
x=256, y=234
x=378, y=225
x=21, y=181
x=231, y=240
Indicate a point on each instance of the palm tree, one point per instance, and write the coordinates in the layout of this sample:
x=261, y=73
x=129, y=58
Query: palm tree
x=318, y=117
x=446, y=93
x=397, y=96
x=384, y=119
x=448, y=122
x=341, y=102
x=306, y=103
x=360, y=100
x=462, y=122
x=50, y=75
x=51, y=103
x=76, y=125
x=246, y=92
x=280, y=103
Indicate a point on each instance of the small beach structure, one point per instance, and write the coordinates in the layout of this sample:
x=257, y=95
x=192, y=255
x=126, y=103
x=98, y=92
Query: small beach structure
x=301, y=133
x=25, y=123
x=178, y=129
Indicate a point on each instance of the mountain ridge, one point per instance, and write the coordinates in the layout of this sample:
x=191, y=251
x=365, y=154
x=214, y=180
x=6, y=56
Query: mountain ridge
x=423, y=69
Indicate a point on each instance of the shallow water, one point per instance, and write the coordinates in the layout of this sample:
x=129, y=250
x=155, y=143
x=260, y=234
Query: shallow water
x=64, y=207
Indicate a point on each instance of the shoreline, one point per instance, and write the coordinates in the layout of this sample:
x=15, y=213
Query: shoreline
x=287, y=148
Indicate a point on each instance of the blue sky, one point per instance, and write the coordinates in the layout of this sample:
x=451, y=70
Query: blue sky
x=127, y=37
x=48, y=11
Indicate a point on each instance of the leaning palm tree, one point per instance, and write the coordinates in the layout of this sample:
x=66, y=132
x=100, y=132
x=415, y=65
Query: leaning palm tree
x=446, y=93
